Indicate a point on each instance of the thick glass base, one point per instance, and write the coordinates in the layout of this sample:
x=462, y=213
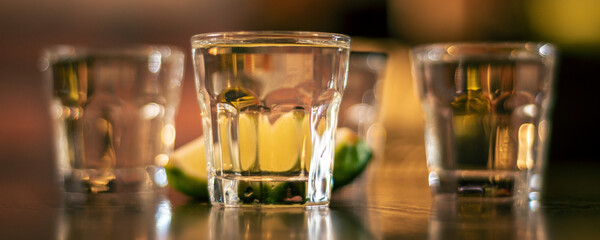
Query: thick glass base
x=132, y=200
x=113, y=187
x=270, y=192
x=492, y=184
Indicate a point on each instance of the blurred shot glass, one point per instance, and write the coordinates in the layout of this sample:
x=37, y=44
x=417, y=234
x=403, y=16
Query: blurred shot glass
x=113, y=115
x=487, y=119
x=359, y=110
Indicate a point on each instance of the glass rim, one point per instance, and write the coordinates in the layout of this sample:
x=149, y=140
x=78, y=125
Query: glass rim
x=64, y=52
x=454, y=51
x=271, y=37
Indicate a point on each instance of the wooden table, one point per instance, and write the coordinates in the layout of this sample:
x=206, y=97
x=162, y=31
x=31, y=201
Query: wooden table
x=390, y=201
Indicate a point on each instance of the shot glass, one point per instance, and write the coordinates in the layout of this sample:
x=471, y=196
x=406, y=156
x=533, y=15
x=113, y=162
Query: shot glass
x=269, y=103
x=113, y=115
x=359, y=110
x=487, y=119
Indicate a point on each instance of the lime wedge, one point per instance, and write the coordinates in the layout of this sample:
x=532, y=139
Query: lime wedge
x=281, y=142
x=186, y=171
x=352, y=155
x=248, y=140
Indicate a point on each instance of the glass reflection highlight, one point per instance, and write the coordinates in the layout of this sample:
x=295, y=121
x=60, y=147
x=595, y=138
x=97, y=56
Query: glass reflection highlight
x=148, y=219
x=257, y=223
x=455, y=218
x=201, y=221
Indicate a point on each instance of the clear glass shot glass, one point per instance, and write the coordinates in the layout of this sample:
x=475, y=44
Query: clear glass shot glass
x=113, y=112
x=487, y=120
x=359, y=109
x=270, y=103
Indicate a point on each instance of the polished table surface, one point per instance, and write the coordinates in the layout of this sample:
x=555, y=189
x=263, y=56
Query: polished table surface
x=390, y=201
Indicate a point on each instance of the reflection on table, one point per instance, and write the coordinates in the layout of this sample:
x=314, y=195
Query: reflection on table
x=390, y=201
x=147, y=220
x=454, y=218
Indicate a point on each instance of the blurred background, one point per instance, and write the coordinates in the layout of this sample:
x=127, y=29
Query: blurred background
x=391, y=26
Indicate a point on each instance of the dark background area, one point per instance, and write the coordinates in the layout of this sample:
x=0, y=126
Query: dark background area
x=27, y=26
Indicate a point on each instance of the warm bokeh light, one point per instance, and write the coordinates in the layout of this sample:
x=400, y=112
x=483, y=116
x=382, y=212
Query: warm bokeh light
x=574, y=23
x=525, y=153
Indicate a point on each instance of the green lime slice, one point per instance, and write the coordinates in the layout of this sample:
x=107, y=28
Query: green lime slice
x=186, y=171
x=352, y=155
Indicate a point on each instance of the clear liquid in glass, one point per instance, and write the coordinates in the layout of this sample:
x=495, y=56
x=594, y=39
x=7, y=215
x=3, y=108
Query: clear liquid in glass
x=273, y=114
x=113, y=126
x=483, y=125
